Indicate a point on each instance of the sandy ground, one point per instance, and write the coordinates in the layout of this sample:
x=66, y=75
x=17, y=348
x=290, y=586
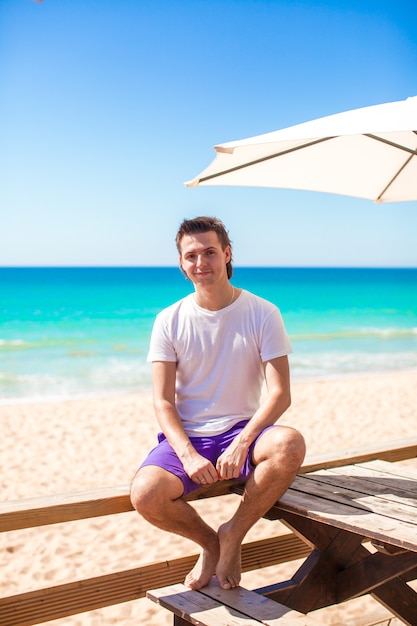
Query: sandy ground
x=56, y=447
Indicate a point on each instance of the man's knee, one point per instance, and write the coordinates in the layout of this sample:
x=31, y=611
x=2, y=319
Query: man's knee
x=140, y=492
x=151, y=488
x=295, y=448
x=286, y=445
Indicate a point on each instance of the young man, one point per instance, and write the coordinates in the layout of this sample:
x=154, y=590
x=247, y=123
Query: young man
x=211, y=353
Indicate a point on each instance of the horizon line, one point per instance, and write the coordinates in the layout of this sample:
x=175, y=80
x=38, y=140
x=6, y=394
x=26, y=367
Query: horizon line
x=235, y=266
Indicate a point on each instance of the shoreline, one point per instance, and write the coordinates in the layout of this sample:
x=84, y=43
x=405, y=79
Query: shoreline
x=12, y=401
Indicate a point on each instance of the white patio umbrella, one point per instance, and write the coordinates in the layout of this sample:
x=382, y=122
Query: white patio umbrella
x=368, y=153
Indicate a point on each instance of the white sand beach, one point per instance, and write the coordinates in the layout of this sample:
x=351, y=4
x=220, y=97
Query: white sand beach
x=64, y=446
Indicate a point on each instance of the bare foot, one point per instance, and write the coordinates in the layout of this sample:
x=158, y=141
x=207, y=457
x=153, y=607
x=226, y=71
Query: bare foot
x=229, y=568
x=203, y=570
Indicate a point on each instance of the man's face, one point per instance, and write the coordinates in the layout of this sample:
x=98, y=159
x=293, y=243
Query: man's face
x=203, y=259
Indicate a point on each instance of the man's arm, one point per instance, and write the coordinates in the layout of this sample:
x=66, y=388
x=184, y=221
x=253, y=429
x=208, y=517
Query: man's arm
x=275, y=403
x=199, y=469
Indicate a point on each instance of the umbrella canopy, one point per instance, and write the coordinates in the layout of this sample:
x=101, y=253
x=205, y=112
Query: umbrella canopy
x=368, y=153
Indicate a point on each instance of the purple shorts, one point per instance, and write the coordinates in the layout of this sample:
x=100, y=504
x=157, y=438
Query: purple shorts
x=209, y=447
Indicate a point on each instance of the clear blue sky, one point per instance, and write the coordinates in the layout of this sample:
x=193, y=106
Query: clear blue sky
x=107, y=107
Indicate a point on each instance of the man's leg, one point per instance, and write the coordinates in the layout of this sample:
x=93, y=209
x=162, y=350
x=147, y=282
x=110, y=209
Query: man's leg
x=156, y=495
x=277, y=456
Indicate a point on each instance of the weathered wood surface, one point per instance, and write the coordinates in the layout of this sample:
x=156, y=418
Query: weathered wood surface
x=334, y=511
x=33, y=512
x=392, y=451
x=340, y=568
x=212, y=606
x=257, y=605
x=39, y=606
x=383, y=509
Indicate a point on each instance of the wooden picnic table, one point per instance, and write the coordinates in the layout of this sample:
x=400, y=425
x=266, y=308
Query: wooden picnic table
x=361, y=521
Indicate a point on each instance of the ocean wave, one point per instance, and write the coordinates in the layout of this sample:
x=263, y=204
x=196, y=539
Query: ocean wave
x=19, y=345
x=16, y=344
x=73, y=346
x=113, y=375
x=357, y=333
x=330, y=364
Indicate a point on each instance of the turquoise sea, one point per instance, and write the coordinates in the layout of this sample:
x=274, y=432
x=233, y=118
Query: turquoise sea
x=67, y=332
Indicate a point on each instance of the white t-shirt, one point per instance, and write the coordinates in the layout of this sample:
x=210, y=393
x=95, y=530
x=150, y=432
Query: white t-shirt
x=219, y=356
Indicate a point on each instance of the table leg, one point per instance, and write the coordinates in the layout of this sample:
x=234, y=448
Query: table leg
x=340, y=568
x=314, y=585
x=398, y=598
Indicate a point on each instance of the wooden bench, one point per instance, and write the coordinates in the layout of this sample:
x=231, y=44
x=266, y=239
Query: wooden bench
x=213, y=606
x=54, y=602
x=58, y=508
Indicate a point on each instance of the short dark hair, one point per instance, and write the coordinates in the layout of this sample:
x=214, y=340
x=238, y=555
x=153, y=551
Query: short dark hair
x=204, y=225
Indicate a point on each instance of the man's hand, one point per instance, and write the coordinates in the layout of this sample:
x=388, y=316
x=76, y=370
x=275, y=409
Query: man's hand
x=200, y=470
x=231, y=461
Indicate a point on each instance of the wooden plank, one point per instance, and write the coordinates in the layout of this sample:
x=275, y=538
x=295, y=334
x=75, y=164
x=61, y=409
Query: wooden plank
x=397, y=450
x=33, y=512
x=371, y=488
x=382, y=495
x=370, y=572
x=355, y=492
x=316, y=582
x=398, y=598
x=198, y=608
x=395, y=469
x=67, y=599
x=367, y=524
x=375, y=471
x=397, y=486
x=255, y=605
x=211, y=605
x=341, y=570
x=50, y=603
